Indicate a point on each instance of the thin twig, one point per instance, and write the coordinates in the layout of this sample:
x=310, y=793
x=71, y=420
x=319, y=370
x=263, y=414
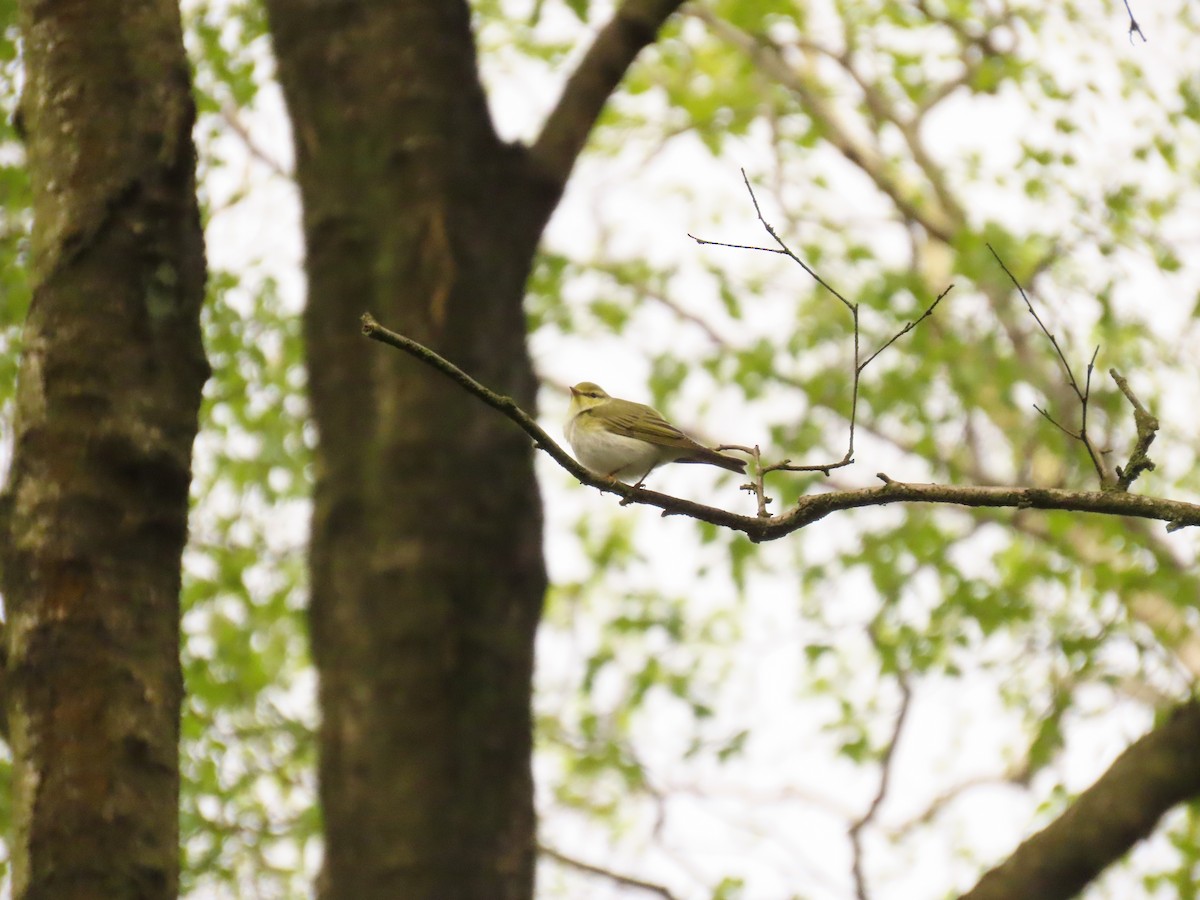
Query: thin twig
x=1134, y=27
x=1042, y=325
x=1057, y=424
x=1014, y=778
x=234, y=123
x=755, y=485
x=785, y=465
x=1087, y=391
x=770, y=229
x=856, y=828
x=707, y=243
x=908, y=327
x=783, y=249
x=1107, y=480
x=607, y=874
x=859, y=365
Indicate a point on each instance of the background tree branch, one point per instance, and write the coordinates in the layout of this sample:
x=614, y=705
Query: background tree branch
x=623, y=881
x=633, y=27
x=1153, y=775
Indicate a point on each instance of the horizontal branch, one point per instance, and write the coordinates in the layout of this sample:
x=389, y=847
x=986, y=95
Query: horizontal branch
x=807, y=510
x=1155, y=773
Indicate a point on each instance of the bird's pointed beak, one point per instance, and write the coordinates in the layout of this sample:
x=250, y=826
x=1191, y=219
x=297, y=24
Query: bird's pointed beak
x=574, y=393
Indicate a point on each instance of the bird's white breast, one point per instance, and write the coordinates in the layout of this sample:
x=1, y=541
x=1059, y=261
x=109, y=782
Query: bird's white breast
x=611, y=454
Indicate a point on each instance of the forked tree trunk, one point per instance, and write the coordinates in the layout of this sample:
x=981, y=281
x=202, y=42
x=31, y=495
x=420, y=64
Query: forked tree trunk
x=426, y=555
x=94, y=516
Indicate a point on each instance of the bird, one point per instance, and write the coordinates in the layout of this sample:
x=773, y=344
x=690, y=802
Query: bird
x=619, y=439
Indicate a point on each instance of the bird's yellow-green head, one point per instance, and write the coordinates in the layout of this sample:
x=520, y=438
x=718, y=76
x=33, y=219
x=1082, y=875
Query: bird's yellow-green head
x=587, y=395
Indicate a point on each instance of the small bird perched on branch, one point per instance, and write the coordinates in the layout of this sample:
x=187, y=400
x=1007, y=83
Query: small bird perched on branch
x=620, y=439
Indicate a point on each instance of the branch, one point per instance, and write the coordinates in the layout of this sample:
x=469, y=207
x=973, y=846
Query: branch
x=951, y=794
x=1107, y=480
x=909, y=326
x=755, y=486
x=859, y=364
x=864, y=155
x=1134, y=27
x=634, y=26
x=979, y=38
x=885, y=776
x=1147, y=429
x=783, y=248
x=807, y=510
x=1154, y=774
x=607, y=874
x=231, y=119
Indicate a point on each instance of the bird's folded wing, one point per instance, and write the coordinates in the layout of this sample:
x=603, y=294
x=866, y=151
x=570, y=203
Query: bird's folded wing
x=650, y=428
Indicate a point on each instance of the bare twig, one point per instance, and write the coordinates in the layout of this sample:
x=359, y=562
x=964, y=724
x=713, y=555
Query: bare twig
x=1177, y=513
x=1057, y=424
x=1107, y=480
x=1134, y=27
x=232, y=121
x=707, y=243
x=859, y=364
x=907, y=328
x=866, y=155
x=783, y=248
x=755, y=485
x=1013, y=778
x=607, y=874
x=885, y=774
x=1147, y=429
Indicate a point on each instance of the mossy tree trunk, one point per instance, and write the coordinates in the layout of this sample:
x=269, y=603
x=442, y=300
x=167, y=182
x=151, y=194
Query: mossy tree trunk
x=427, y=574
x=95, y=510
x=426, y=553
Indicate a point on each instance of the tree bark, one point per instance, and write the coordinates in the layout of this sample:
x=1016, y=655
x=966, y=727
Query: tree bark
x=94, y=516
x=427, y=576
x=1157, y=772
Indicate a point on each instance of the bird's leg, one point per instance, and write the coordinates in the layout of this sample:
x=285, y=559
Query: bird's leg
x=641, y=482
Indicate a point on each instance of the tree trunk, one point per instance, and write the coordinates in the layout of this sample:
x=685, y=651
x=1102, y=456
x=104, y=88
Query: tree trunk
x=94, y=517
x=427, y=574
